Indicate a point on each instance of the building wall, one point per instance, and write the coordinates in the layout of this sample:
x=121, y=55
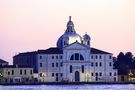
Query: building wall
x=26, y=59
x=97, y=67
x=17, y=75
x=46, y=68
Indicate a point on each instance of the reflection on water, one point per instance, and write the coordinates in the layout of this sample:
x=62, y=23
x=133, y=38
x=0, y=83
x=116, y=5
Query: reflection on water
x=69, y=87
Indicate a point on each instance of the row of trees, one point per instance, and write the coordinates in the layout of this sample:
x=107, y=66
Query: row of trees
x=124, y=62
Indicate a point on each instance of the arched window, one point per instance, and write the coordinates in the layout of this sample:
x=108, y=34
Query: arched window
x=76, y=56
x=81, y=57
x=70, y=68
x=72, y=57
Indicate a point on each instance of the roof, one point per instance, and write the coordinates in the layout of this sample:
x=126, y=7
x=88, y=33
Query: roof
x=97, y=51
x=15, y=66
x=2, y=61
x=52, y=50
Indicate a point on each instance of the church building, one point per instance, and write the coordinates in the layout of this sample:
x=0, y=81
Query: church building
x=73, y=60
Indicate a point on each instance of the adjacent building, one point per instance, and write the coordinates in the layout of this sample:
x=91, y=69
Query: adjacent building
x=16, y=74
x=3, y=62
x=73, y=60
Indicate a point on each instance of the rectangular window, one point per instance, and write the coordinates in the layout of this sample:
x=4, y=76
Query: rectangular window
x=52, y=64
x=40, y=64
x=8, y=73
x=110, y=57
x=40, y=57
x=52, y=57
x=52, y=74
x=110, y=64
x=92, y=74
x=82, y=69
x=100, y=64
x=96, y=57
x=100, y=57
x=61, y=74
x=110, y=74
x=25, y=72
x=92, y=64
x=12, y=72
x=96, y=74
x=56, y=78
x=56, y=57
x=91, y=57
x=61, y=64
x=56, y=64
x=30, y=71
x=114, y=73
x=60, y=57
x=70, y=68
x=20, y=72
x=57, y=74
x=100, y=74
x=96, y=64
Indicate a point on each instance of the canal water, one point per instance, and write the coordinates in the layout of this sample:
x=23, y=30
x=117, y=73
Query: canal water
x=70, y=87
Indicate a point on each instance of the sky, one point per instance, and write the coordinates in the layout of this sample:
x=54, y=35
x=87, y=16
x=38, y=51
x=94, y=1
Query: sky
x=29, y=25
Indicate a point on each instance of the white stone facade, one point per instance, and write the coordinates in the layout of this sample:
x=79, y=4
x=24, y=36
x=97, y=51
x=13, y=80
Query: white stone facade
x=75, y=61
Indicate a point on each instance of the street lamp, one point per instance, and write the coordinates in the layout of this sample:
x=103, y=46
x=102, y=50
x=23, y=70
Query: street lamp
x=1, y=77
x=87, y=77
x=130, y=75
x=43, y=75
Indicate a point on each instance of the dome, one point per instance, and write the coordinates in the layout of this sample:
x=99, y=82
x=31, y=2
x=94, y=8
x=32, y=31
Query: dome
x=70, y=36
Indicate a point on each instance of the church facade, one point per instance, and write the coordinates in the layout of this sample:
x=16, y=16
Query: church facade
x=73, y=60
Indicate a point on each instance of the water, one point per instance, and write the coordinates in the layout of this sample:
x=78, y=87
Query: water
x=70, y=87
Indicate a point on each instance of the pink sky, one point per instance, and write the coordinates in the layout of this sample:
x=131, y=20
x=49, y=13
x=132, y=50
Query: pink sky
x=28, y=25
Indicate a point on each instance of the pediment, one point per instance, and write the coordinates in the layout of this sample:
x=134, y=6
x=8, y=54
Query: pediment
x=77, y=46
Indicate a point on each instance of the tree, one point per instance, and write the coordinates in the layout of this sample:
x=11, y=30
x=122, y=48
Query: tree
x=124, y=63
